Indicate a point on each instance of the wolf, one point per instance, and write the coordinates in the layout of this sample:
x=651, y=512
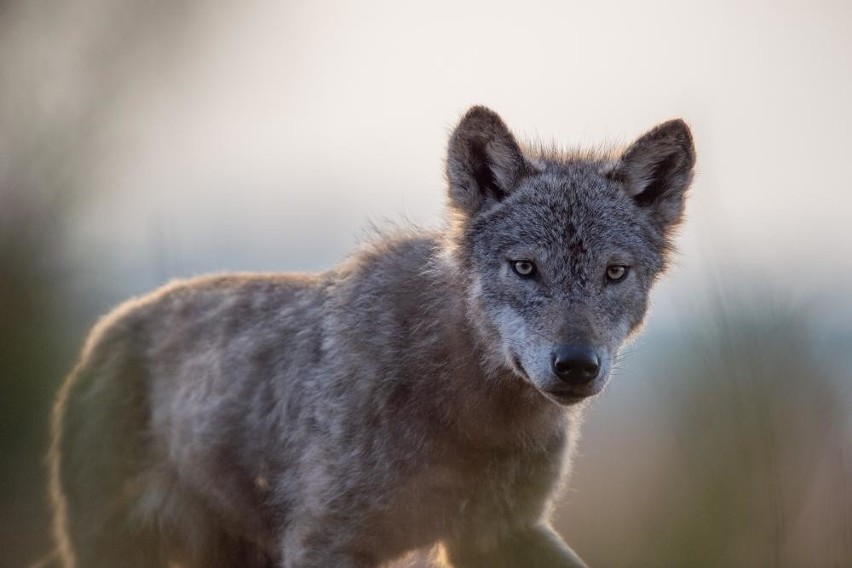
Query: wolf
x=426, y=393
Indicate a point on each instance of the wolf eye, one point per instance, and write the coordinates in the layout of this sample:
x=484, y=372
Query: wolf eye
x=524, y=268
x=616, y=272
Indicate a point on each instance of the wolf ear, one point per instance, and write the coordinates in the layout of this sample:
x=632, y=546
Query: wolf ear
x=484, y=162
x=657, y=169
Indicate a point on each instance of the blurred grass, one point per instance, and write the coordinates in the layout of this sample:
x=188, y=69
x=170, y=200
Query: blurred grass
x=748, y=461
x=764, y=435
x=59, y=74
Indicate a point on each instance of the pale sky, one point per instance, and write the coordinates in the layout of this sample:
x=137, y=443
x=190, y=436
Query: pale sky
x=273, y=133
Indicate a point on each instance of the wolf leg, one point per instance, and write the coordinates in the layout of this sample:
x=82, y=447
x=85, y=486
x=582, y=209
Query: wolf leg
x=319, y=558
x=320, y=546
x=115, y=545
x=536, y=547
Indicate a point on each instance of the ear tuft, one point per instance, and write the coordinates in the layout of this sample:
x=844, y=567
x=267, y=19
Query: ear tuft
x=657, y=170
x=484, y=162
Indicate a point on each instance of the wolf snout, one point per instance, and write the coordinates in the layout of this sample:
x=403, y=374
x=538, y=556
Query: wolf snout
x=575, y=365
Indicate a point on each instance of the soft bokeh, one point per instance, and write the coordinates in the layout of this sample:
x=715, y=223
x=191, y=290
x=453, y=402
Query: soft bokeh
x=143, y=141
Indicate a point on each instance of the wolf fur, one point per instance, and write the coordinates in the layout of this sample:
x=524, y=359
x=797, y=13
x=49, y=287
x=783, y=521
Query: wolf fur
x=405, y=399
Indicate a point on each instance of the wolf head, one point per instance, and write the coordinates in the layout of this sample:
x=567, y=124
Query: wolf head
x=558, y=253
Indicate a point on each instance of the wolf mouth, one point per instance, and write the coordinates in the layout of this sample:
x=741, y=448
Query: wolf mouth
x=519, y=368
x=565, y=398
x=560, y=397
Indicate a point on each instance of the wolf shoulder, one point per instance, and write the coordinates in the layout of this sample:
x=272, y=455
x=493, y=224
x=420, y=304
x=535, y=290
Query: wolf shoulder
x=390, y=273
x=191, y=310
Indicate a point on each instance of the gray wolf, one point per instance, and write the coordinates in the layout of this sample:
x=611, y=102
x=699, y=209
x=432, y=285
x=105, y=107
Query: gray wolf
x=427, y=392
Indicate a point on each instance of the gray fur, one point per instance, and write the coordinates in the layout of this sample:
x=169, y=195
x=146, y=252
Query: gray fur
x=400, y=401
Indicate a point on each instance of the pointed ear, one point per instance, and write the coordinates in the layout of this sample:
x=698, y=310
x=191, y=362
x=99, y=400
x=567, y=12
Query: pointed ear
x=484, y=162
x=657, y=169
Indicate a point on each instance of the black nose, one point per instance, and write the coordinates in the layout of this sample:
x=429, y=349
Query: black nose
x=577, y=365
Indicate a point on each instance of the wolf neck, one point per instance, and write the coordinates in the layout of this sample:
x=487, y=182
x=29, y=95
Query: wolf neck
x=476, y=380
x=408, y=299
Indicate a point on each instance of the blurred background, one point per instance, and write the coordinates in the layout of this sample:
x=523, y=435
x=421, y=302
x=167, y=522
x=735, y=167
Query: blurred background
x=142, y=141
